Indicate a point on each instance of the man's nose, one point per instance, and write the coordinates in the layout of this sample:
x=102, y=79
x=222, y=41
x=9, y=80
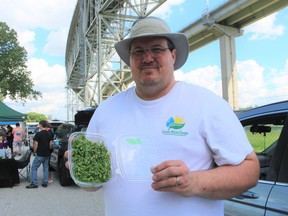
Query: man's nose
x=147, y=55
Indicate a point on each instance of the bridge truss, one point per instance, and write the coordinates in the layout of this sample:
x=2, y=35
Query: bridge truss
x=93, y=70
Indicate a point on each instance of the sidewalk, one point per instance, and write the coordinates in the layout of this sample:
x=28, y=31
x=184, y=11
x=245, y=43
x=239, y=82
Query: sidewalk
x=50, y=201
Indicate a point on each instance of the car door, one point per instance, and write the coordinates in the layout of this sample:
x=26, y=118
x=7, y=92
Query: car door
x=277, y=203
x=267, y=136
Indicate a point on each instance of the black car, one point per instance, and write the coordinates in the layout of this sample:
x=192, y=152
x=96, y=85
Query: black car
x=62, y=134
x=267, y=130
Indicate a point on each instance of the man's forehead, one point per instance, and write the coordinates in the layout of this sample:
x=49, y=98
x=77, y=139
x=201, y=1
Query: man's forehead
x=145, y=40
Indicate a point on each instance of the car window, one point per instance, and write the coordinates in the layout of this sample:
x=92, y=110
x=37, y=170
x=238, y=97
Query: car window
x=263, y=134
x=64, y=129
x=36, y=130
x=31, y=128
x=55, y=125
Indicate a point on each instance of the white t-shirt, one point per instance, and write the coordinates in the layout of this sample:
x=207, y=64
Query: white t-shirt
x=190, y=124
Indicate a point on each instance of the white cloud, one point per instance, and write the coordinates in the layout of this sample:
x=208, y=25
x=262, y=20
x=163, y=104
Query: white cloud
x=47, y=78
x=32, y=14
x=56, y=44
x=50, y=80
x=251, y=82
x=265, y=28
x=50, y=15
x=254, y=89
x=208, y=77
x=26, y=39
x=166, y=8
x=279, y=81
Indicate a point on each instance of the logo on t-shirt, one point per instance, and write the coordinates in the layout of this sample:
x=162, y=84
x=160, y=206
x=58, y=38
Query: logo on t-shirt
x=174, y=126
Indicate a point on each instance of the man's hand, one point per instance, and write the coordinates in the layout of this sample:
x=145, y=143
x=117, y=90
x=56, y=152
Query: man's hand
x=171, y=176
x=221, y=182
x=66, y=155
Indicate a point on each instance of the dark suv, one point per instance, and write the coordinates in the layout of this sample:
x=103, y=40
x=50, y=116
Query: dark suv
x=62, y=134
x=267, y=130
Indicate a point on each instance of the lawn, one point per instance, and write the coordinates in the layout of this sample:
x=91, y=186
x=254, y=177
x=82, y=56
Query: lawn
x=262, y=141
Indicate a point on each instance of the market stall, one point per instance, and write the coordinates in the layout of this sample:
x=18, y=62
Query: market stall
x=9, y=115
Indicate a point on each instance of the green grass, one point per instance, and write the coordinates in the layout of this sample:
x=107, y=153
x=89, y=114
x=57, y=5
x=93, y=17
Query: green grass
x=261, y=142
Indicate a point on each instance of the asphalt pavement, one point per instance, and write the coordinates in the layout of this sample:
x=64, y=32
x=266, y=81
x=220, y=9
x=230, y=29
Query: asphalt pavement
x=50, y=201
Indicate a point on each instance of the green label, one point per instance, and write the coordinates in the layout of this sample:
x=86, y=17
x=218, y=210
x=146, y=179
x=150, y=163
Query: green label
x=134, y=141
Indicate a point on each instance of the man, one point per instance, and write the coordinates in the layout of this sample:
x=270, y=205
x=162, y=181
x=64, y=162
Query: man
x=41, y=147
x=18, y=134
x=203, y=150
x=51, y=134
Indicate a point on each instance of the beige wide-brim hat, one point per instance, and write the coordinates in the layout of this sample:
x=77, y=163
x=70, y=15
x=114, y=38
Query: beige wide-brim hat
x=154, y=27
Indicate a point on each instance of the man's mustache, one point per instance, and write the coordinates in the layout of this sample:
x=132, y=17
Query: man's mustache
x=143, y=65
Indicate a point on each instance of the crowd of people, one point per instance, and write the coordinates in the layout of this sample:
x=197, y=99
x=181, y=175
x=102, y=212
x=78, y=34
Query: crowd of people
x=42, y=149
x=14, y=138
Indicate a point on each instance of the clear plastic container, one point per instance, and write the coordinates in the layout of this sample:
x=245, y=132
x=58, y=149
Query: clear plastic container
x=90, y=159
x=136, y=155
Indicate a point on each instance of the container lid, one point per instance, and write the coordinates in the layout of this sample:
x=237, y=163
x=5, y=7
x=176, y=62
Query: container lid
x=90, y=159
x=135, y=156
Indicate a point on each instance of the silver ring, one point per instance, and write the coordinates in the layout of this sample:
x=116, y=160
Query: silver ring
x=177, y=181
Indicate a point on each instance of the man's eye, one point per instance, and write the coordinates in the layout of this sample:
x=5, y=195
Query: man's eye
x=138, y=52
x=156, y=50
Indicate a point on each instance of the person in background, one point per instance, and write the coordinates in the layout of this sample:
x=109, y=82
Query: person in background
x=3, y=132
x=18, y=134
x=204, y=154
x=10, y=137
x=51, y=134
x=42, y=146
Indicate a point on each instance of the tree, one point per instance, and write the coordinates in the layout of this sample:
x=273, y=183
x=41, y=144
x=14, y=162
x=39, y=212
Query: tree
x=49, y=117
x=15, y=79
x=35, y=117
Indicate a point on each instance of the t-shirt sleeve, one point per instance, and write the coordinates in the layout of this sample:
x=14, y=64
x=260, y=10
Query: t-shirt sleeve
x=226, y=136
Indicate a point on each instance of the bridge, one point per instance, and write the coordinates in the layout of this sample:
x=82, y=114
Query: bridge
x=95, y=73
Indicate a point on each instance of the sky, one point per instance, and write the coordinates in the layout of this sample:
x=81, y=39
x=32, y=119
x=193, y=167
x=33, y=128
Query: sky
x=261, y=52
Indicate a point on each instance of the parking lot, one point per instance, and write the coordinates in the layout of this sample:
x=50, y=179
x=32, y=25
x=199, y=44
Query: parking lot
x=53, y=200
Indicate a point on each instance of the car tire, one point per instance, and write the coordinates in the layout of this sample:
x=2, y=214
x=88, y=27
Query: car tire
x=63, y=175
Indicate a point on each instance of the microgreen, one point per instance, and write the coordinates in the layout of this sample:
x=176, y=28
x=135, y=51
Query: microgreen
x=91, y=160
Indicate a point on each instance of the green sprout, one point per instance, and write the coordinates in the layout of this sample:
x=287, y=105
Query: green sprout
x=91, y=160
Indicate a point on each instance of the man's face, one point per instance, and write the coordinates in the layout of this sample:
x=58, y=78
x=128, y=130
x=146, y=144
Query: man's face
x=152, y=66
x=40, y=126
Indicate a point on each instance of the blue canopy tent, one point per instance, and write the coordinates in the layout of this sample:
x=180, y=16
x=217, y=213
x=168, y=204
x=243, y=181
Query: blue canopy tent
x=10, y=116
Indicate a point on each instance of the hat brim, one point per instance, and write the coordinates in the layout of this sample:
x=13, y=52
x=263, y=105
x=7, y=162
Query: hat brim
x=178, y=39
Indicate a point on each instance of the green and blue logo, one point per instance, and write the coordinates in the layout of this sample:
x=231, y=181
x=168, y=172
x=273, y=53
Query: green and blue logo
x=174, y=126
x=175, y=123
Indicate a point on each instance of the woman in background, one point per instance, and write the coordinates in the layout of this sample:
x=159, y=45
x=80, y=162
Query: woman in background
x=10, y=137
